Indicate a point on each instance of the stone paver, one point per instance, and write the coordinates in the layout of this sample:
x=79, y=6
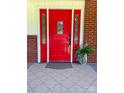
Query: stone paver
x=79, y=79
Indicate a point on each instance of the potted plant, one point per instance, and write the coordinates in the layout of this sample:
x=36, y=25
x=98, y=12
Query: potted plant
x=81, y=53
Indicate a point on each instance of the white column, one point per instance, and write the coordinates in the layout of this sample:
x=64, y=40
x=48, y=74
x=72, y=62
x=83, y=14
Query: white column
x=72, y=36
x=38, y=39
x=47, y=35
x=82, y=27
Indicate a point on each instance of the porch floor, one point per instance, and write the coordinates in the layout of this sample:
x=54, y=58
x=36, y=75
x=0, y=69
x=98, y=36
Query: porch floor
x=78, y=79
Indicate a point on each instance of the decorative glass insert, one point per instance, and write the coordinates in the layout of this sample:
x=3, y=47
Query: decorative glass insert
x=43, y=28
x=76, y=29
x=60, y=27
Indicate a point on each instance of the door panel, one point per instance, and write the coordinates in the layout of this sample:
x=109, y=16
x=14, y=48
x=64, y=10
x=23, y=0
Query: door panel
x=60, y=35
x=43, y=35
x=76, y=28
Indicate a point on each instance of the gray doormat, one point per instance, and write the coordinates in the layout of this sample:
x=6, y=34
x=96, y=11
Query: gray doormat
x=59, y=65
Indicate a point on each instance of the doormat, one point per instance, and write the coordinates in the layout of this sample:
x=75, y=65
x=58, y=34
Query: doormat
x=59, y=65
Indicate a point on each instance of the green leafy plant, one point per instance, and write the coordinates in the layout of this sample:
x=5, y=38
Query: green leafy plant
x=82, y=52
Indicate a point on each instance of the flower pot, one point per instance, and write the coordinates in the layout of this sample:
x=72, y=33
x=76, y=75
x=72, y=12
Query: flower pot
x=82, y=60
x=85, y=59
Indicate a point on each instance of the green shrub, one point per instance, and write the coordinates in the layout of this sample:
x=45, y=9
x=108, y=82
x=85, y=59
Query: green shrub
x=80, y=52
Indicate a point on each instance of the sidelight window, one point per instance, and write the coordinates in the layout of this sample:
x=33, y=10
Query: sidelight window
x=76, y=29
x=43, y=28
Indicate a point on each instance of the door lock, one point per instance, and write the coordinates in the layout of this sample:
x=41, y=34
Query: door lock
x=69, y=40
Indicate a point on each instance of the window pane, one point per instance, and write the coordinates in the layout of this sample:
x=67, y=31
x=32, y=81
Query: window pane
x=59, y=27
x=43, y=28
x=76, y=29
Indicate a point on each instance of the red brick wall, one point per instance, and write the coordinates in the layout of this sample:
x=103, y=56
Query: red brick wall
x=31, y=48
x=90, y=27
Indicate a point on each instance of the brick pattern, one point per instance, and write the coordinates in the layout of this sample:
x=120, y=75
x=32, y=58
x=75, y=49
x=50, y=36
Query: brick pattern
x=31, y=48
x=90, y=27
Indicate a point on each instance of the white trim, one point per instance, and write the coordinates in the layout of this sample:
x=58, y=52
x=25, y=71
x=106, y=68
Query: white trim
x=72, y=36
x=81, y=31
x=82, y=26
x=38, y=39
x=47, y=35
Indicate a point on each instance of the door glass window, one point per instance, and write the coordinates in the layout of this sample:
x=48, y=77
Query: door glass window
x=43, y=28
x=60, y=27
x=76, y=29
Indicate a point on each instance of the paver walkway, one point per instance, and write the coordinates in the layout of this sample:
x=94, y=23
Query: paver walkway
x=78, y=79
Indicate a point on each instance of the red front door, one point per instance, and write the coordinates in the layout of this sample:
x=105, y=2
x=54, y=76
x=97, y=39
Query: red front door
x=60, y=35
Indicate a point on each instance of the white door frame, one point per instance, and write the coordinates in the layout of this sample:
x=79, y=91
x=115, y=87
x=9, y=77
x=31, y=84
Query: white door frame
x=81, y=33
x=72, y=34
